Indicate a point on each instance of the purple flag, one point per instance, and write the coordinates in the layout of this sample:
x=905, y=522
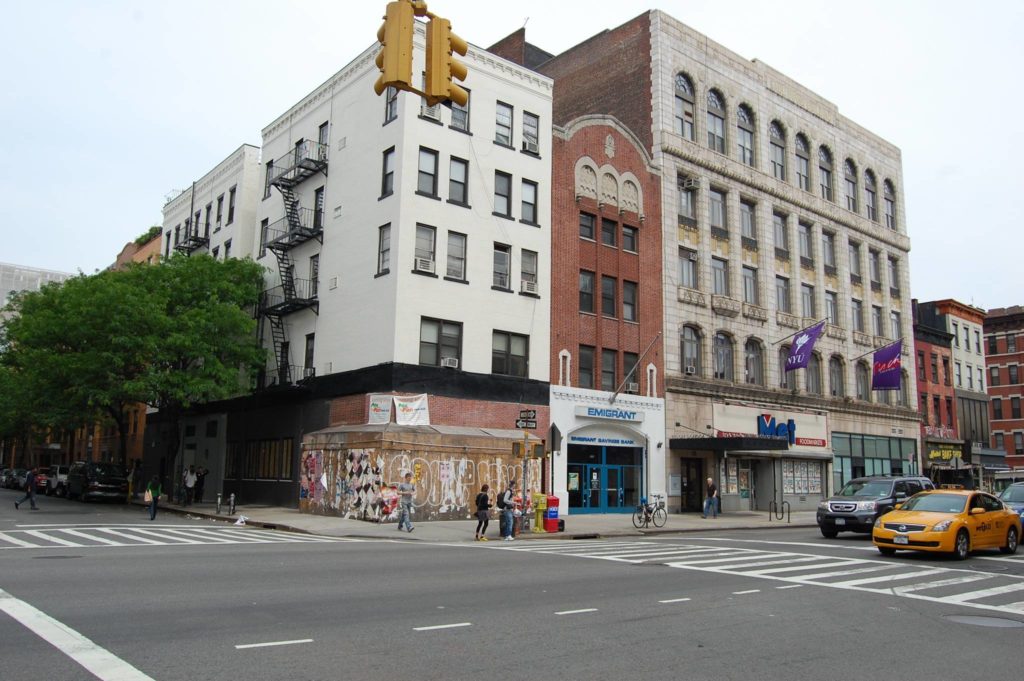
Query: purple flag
x=803, y=346
x=886, y=363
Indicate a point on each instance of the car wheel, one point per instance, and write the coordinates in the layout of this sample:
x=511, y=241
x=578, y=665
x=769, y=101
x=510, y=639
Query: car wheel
x=886, y=551
x=962, y=545
x=829, y=534
x=1011, y=541
x=62, y=491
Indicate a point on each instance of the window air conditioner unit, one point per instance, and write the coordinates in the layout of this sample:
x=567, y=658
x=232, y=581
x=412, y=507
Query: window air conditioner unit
x=431, y=112
x=424, y=265
x=688, y=183
x=450, y=362
x=531, y=147
x=528, y=287
x=633, y=388
x=691, y=370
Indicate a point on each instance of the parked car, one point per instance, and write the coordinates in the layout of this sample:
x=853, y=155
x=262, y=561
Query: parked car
x=948, y=521
x=862, y=500
x=1013, y=498
x=95, y=480
x=3, y=476
x=57, y=480
x=41, y=480
x=16, y=479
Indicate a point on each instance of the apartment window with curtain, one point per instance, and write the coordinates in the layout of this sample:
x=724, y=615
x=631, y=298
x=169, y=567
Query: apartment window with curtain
x=503, y=124
x=748, y=223
x=857, y=315
x=718, y=218
x=720, y=276
x=691, y=351
x=781, y=235
x=782, y=298
x=754, y=363
x=502, y=266
x=531, y=133
x=723, y=357
x=807, y=300
x=687, y=201
x=832, y=307
x=456, y=268
x=750, y=294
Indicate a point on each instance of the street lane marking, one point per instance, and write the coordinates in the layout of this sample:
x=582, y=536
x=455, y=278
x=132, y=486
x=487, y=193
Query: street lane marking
x=39, y=534
x=576, y=612
x=790, y=586
x=854, y=571
x=953, y=581
x=17, y=542
x=100, y=662
x=128, y=535
x=884, y=578
x=83, y=535
x=984, y=593
x=831, y=564
x=748, y=591
x=675, y=600
x=443, y=626
x=273, y=643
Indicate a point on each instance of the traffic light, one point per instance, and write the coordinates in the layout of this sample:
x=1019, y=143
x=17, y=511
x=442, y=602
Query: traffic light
x=395, y=57
x=442, y=68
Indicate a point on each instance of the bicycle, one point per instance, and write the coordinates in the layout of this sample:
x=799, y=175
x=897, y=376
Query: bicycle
x=647, y=513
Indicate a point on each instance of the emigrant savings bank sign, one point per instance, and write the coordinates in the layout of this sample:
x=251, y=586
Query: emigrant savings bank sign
x=800, y=429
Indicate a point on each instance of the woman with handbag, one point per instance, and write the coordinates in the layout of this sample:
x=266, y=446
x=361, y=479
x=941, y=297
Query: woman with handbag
x=153, y=492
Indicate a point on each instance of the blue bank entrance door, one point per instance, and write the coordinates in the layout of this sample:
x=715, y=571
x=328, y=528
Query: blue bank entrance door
x=604, y=479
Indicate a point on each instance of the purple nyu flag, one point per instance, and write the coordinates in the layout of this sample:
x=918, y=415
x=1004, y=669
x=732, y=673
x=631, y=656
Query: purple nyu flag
x=886, y=364
x=803, y=346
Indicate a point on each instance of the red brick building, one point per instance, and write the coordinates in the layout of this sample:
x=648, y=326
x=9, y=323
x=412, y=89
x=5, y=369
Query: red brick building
x=1004, y=357
x=940, y=444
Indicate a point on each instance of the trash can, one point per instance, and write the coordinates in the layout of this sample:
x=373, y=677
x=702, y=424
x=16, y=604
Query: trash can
x=540, y=505
x=551, y=523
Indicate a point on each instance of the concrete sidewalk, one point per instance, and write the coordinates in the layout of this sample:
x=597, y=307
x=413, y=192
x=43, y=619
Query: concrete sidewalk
x=582, y=526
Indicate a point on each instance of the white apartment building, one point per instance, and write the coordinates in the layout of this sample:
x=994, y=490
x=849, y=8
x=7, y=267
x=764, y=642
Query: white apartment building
x=15, y=278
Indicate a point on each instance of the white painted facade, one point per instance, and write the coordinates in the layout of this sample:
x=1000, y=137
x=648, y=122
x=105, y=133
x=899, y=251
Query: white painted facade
x=368, y=315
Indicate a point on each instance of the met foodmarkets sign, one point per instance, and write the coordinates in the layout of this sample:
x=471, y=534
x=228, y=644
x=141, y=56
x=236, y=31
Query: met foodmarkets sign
x=799, y=429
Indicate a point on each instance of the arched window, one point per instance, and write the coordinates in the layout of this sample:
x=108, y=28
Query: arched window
x=890, y=205
x=850, y=171
x=863, y=382
x=684, y=107
x=778, y=144
x=745, y=134
x=825, y=173
x=803, y=163
x=716, y=121
x=754, y=363
x=836, y=378
x=787, y=379
x=813, y=372
x=871, y=195
x=723, y=357
x=691, y=351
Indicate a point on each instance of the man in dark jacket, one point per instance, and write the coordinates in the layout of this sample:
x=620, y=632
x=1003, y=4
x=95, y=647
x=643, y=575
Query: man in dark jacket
x=30, y=490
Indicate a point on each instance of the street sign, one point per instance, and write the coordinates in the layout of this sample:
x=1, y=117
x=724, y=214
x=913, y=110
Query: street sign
x=526, y=424
x=528, y=414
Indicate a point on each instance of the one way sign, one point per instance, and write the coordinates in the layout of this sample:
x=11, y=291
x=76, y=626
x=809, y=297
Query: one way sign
x=526, y=424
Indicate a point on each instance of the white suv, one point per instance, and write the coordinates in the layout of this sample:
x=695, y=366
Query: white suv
x=57, y=481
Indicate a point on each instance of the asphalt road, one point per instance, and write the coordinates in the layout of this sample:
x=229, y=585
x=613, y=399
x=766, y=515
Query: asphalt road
x=178, y=599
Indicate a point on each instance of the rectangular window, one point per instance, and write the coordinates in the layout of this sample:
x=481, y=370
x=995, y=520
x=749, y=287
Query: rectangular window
x=778, y=162
x=1012, y=379
x=970, y=378
x=747, y=221
x=716, y=133
x=935, y=368
x=921, y=375
x=586, y=367
x=586, y=291
x=502, y=194
x=1015, y=407
x=956, y=334
x=460, y=116
x=997, y=409
x=684, y=118
x=384, y=249
x=387, y=181
x=945, y=371
x=958, y=374
x=531, y=133
x=323, y=138
x=608, y=286
x=803, y=176
x=857, y=315
x=456, y=256
x=806, y=248
x=1018, y=443
x=529, y=202
x=782, y=294
x=807, y=300
x=828, y=250
x=718, y=212
x=750, y=285
x=267, y=179
x=687, y=268
x=608, y=231
x=502, y=266
x=314, y=274
x=890, y=213
x=528, y=267
x=937, y=409
x=608, y=380
x=439, y=339
x=587, y=223
x=871, y=203
x=231, y=205
x=629, y=372
x=894, y=274
x=629, y=238
x=874, y=267
x=510, y=353
x=318, y=208
x=426, y=181
x=855, y=271
x=264, y=223
x=220, y=211
x=503, y=124
x=425, y=243
x=206, y=225
x=977, y=341
x=745, y=142
x=832, y=307
x=876, y=320
x=851, y=195
x=1011, y=343
x=390, y=104
x=687, y=204
x=307, y=367
x=458, y=172
x=720, y=276
x=781, y=237
x=227, y=249
x=629, y=301
x=896, y=330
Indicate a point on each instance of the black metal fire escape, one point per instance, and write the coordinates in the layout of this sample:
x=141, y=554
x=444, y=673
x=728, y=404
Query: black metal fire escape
x=298, y=226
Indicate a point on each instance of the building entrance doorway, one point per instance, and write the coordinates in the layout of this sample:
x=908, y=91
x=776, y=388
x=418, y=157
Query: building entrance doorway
x=692, y=485
x=604, y=479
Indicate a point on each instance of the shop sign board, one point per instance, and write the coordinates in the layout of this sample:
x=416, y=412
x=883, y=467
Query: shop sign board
x=611, y=413
x=939, y=452
x=800, y=429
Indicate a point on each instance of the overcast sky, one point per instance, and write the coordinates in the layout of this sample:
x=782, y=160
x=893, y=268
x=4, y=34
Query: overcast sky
x=107, y=105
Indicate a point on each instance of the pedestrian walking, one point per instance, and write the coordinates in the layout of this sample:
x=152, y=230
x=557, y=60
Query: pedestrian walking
x=152, y=497
x=483, y=504
x=406, y=490
x=508, y=506
x=190, y=485
x=30, y=490
x=201, y=474
x=711, y=500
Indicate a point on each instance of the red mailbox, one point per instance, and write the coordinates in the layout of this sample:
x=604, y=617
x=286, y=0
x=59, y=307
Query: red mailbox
x=551, y=515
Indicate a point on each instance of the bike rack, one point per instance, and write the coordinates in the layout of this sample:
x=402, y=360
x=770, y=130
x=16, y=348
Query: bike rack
x=780, y=511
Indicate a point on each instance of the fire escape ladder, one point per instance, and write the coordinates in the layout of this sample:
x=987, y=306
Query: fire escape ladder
x=279, y=337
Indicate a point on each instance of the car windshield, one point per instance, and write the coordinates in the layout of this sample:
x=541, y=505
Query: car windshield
x=1014, y=493
x=866, y=488
x=108, y=470
x=937, y=503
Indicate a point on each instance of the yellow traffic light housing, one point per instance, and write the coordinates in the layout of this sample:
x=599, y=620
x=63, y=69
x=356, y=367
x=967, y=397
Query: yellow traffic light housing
x=395, y=57
x=442, y=68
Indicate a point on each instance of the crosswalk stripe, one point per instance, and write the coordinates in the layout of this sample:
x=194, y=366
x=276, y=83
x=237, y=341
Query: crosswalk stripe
x=90, y=537
x=17, y=542
x=128, y=535
x=730, y=559
x=793, y=568
x=984, y=593
x=785, y=559
x=953, y=581
x=53, y=540
x=1015, y=607
x=888, y=578
x=844, y=573
x=167, y=539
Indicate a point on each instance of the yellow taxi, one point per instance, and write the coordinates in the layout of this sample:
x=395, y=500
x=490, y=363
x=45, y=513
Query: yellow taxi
x=948, y=521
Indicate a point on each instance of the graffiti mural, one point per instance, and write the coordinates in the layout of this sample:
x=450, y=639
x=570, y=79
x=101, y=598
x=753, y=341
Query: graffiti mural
x=360, y=483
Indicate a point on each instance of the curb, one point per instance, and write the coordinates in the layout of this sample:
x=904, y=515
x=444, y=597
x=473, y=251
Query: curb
x=177, y=510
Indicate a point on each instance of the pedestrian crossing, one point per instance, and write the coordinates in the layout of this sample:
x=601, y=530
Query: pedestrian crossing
x=962, y=587
x=133, y=535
